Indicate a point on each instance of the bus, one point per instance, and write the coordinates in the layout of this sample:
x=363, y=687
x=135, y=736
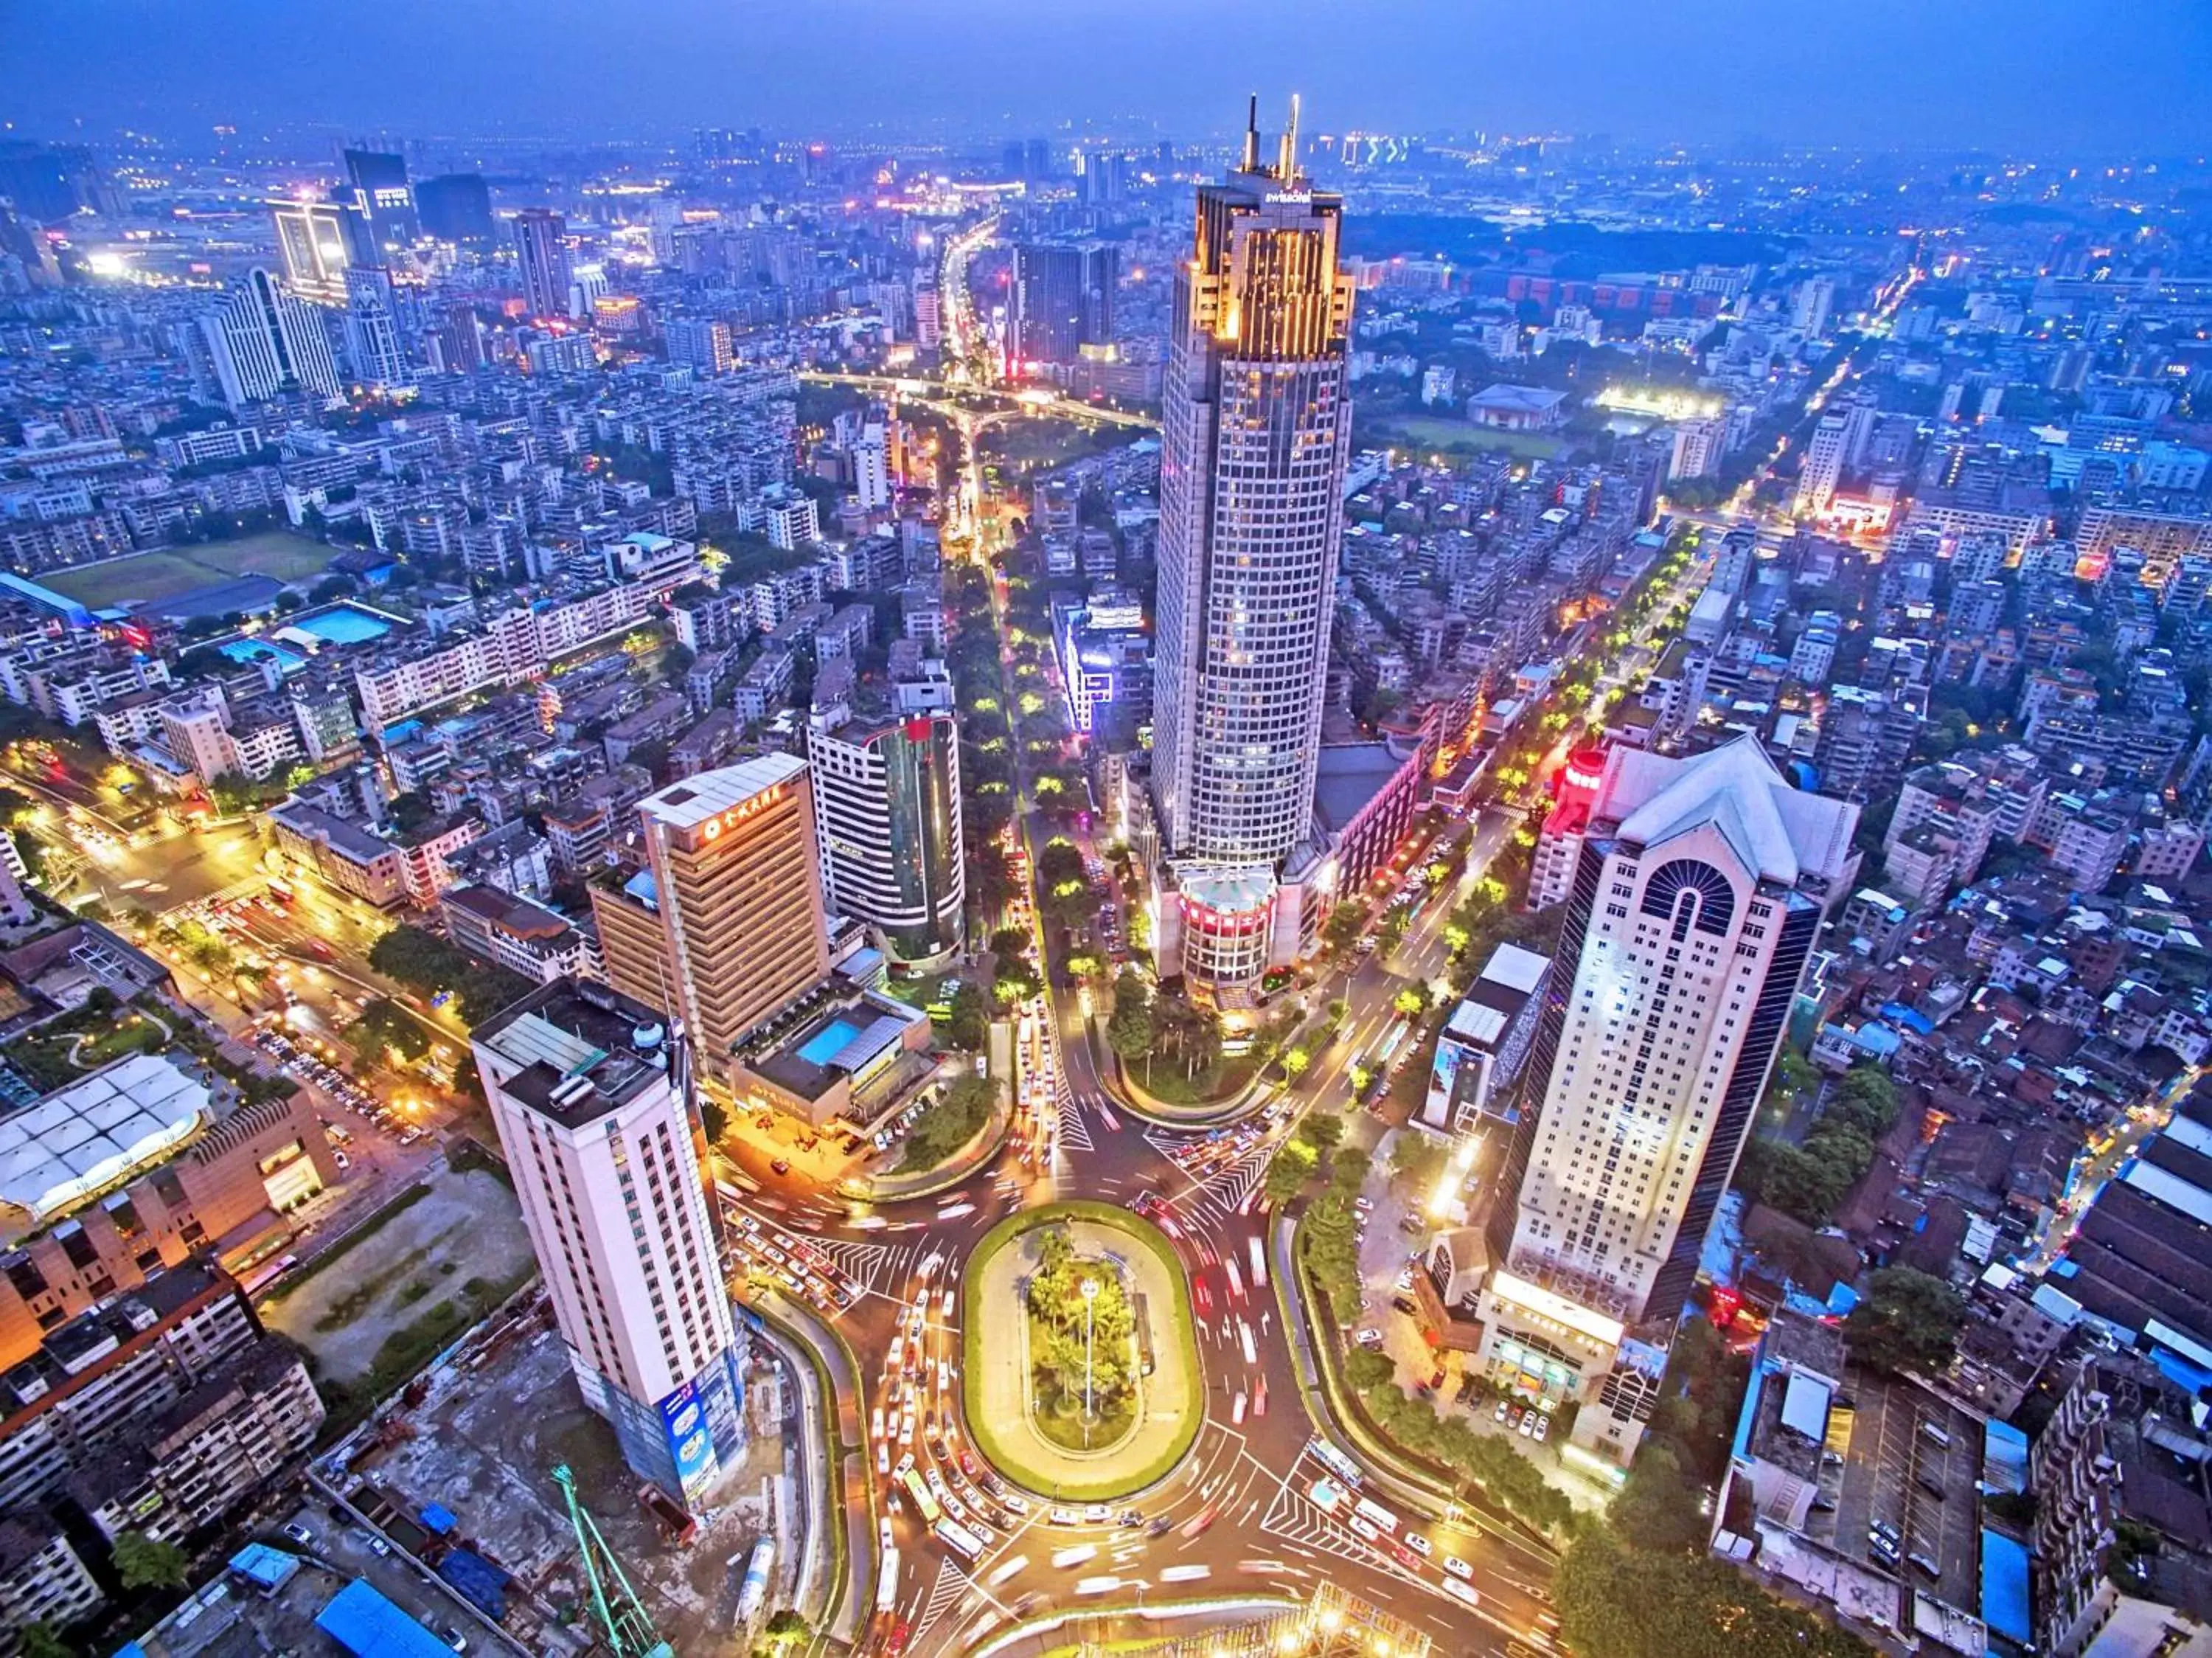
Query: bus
x=1336, y=1462
x=1142, y=1329
x=887, y=1583
x=925, y=1504
x=959, y=1539
x=1376, y=1515
x=279, y=894
x=1259, y=1263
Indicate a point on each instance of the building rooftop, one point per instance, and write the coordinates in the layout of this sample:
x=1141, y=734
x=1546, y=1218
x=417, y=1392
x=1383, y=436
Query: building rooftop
x=581, y=1049
x=1781, y=833
x=688, y=804
x=59, y=1151
x=1347, y=776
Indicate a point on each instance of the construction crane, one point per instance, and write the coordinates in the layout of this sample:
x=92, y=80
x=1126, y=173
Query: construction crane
x=623, y=1618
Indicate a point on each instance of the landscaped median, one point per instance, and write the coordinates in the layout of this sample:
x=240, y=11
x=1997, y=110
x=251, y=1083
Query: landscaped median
x=1008, y=1380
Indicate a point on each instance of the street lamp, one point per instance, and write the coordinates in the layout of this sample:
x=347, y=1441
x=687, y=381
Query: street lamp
x=1090, y=1301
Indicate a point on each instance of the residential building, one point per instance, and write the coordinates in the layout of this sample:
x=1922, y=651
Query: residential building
x=541, y=249
x=589, y=1090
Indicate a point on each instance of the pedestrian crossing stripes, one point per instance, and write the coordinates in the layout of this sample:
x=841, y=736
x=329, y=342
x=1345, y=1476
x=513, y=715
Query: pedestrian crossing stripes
x=951, y=1584
x=1296, y=1520
x=1072, y=1126
x=1229, y=1191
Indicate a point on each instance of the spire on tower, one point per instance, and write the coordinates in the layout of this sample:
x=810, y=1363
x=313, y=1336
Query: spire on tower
x=1287, y=167
x=1252, y=135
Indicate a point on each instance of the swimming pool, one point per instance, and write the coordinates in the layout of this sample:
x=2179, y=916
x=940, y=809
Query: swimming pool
x=828, y=1042
x=342, y=624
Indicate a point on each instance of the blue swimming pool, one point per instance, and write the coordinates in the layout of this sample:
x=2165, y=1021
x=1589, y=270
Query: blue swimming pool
x=342, y=624
x=828, y=1042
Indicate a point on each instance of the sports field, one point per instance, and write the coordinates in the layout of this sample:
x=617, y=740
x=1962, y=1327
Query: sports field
x=1434, y=432
x=275, y=553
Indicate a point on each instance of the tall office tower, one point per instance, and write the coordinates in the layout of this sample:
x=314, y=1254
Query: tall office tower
x=724, y=925
x=262, y=340
x=371, y=330
x=702, y=342
x=1698, y=889
x=1811, y=304
x=887, y=819
x=1824, y=465
x=456, y=207
x=541, y=247
x=1036, y=159
x=1257, y=430
x=381, y=197
x=588, y=1091
x=318, y=240
x=1063, y=299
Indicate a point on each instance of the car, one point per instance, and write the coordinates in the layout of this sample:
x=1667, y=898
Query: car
x=1370, y=1338
x=1131, y=1517
x=882, y=1456
x=780, y=1166
x=1527, y=1426
x=298, y=1533
x=1420, y=1544
x=378, y=1548
x=1065, y=1517
x=1458, y=1568
x=1097, y=1513
x=1365, y=1532
x=1365, y=1204
x=1159, y=1526
x=1203, y=1297
x=1505, y=1409
x=1543, y=1429
x=1404, y=1304
x=342, y=1160
x=453, y=1638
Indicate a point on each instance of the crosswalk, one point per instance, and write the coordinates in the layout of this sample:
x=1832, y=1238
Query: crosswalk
x=951, y=1584
x=1073, y=1129
x=1221, y=1192
x=1295, y=1519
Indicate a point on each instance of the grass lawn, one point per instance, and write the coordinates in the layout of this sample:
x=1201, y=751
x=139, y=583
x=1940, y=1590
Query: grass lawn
x=1435, y=432
x=277, y=553
x=1001, y=1448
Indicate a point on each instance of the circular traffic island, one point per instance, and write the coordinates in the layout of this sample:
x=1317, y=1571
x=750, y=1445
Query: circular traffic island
x=1078, y=1353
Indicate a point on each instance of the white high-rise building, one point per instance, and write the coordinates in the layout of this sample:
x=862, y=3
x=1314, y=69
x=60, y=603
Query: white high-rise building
x=872, y=468
x=702, y=342
x=260, y=339
x=1824, y=463
x=1811, y=305
x=371, y=331
x=1700, y=887
x=1257, y=433
x=588, y=1089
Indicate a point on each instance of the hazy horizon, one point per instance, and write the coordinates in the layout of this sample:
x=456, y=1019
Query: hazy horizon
x=2030, y=76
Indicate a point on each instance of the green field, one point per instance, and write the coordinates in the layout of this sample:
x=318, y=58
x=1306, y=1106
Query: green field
x=1435, y=432
x=277, y=553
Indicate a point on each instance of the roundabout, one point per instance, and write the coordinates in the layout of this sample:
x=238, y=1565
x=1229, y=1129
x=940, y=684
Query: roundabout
x=1079, y=1356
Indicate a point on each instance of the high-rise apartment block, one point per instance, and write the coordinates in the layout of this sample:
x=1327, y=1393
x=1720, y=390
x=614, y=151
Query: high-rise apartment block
x=588, y=1090
x=541, y=249
x=1257, y=433
x=723, y=925
x=382, y=198
x=1698, y=888
x=702, y=341
x=260, y=341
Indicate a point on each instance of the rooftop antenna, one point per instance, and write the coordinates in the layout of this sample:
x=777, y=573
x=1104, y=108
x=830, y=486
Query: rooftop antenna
x=1288, y=168
x=1251, y=135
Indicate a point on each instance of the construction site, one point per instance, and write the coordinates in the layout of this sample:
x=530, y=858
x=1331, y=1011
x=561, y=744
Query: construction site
x=466, y=1459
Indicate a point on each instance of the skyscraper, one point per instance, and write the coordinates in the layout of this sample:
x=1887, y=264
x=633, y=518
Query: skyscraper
x=724, y=925
x=887, y=819
x=381, y=197
x=371, y=330
x=261, y=340
x=318, y=242
x=1257, y=430
x=541, y=247
x=587, y=1089
x=1824, y=463
x=1063, y=299
x=1699, y=886
x=455, y=207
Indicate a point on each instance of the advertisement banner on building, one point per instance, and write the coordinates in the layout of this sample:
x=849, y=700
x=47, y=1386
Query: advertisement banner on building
x=684, y=1415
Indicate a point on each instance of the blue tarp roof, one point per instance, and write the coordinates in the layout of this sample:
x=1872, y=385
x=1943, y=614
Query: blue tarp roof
x=2004, y=1456
x=439, y=1519
x=267, y=1567
x=1911, y=1018
x=477, y=1581
x=365, y=1623
x=2004, y=1587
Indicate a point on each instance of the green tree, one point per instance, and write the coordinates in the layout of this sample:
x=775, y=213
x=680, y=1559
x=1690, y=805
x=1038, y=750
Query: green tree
x=146, y=1562
x=1288, y=1172
x=1321, y=1129
x=1619, y=1602
x=969, y=1026
x=1129, y=1028
x=385, y=1025
x=1417, y=1161
x=1907, y=1321
x=42, y=1641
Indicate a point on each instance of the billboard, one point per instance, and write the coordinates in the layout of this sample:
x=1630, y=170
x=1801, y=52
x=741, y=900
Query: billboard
x=691, y=1440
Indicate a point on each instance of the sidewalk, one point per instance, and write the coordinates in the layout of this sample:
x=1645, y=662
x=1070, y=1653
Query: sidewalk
x=834, y=1592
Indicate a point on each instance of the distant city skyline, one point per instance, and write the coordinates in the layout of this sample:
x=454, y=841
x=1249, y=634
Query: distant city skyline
x=2036, y=76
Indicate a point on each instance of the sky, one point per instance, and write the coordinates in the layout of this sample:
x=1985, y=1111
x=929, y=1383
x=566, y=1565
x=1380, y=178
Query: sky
x=2046, y=78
